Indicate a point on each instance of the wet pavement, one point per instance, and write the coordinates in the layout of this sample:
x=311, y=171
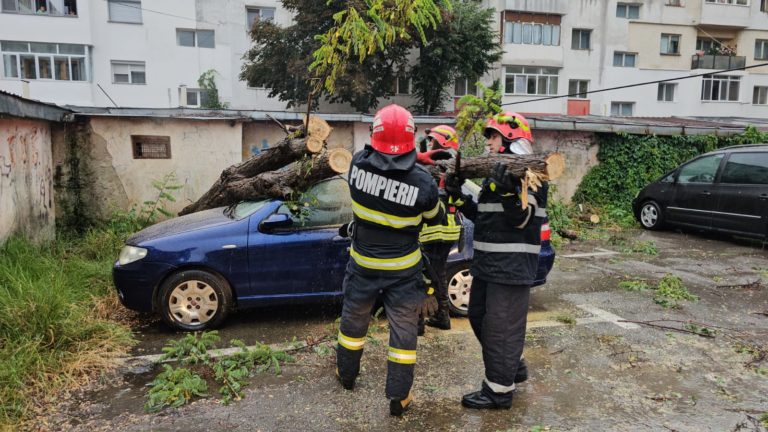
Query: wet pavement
x=589, y=369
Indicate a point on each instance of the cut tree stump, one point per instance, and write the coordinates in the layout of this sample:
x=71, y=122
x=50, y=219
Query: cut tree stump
x=295, y=146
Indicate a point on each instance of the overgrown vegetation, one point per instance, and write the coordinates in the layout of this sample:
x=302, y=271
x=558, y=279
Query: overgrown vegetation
x=210, y=98
x=634, y=285
x=175, y=387
x=58, y=323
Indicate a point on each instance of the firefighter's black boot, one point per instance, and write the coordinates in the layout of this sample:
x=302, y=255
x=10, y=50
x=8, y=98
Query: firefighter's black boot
x=348, y=384
x=442, y=318
x=522, y=372
x=398, y=406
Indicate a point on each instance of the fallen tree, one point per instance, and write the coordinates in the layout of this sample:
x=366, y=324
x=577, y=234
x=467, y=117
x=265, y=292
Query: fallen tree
x=297, y=161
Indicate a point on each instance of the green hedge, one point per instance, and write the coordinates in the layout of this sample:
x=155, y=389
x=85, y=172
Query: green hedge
x=629, y=162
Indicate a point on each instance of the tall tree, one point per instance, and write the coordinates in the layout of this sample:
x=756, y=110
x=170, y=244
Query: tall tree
x=280, y=59
x=462, y=46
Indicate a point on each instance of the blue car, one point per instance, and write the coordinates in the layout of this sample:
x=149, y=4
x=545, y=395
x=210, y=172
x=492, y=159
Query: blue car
x=195, y=269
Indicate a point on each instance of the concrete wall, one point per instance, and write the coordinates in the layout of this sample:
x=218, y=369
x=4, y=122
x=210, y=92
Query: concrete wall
x=580, y=151
x=200, y=150
x=26, y=180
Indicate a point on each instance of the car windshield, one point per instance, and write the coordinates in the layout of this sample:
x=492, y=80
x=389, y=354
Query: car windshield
x=244, y=209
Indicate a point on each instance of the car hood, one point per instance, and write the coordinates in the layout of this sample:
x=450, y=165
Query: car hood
x=190, y=222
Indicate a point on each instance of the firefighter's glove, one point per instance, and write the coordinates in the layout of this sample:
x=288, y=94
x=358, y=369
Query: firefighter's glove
x=429, y=157
x=429, y=305
x=505, y=182
x=452, y=187
x=347, y=229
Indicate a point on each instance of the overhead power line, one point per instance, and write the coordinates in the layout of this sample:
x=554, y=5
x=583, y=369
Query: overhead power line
x=633, y=85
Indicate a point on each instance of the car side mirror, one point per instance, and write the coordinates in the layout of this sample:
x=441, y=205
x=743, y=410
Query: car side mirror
x=276, y=221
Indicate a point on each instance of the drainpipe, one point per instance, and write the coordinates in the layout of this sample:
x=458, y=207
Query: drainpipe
x=25, y=89
x=183, y=95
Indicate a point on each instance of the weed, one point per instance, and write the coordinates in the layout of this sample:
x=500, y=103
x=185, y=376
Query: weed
x=322, y=350
x=173, y=388
x=764, y=419
x=634, y=285
x=566, y=319
x=191, y=349
x=670, y=290
x=647, y=247
x=700, y=330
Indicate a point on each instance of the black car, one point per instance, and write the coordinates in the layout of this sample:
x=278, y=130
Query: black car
x=725, y=190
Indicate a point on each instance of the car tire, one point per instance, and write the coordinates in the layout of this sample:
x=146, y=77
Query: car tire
x=459, y=285
x=650, y=216
x=193, y=300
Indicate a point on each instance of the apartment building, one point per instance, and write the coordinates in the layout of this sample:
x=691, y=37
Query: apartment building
x=150, y=53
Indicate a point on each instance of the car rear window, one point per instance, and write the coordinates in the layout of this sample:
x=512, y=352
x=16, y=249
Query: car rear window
x=746, y=168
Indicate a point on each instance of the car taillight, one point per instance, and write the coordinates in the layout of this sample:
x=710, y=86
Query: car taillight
x=545, y=232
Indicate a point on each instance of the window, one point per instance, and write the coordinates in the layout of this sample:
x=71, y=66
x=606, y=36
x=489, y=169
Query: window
x=41, y=7
x=530, y=80
x=580, y=39
x=35, y=60
x=746, y=168
x=666, y=92
x=256, y=14
x=128, y=73
x=151, y=147
x=720, y=88
x=760, y=95
x=761, y=49
x=670, y=44
x=125, y=11
x=403, y=86
x=763, y=5
x=622, y=109
x=200, y=38
x=193, y=98
x=578, y=88
x=331, y=205
x=678, y=3
x=531, y=28
x=464, y=86
x=733, y=2
x=705, y=45
x=702, y=170
x=631, y=11
x=624, y=59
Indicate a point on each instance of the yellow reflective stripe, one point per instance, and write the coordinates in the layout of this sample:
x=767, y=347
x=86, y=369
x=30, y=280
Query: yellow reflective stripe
x=351, y=343
x=431, y=229
x=432, y=213
x=453, y=236
x=398, y=263
x=384, y=218
x=401, y=356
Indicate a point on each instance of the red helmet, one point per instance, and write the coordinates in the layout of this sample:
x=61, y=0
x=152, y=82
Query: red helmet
x=510, y=125
x=445, y=136
x=393, y=131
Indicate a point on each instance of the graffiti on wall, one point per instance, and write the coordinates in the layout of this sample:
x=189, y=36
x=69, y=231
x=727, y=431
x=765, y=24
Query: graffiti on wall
x=256, y=150
x=26, y=178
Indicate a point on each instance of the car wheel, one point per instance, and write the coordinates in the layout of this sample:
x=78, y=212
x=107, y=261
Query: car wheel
x=459, y=284
x=650, y=216
x=194, y=300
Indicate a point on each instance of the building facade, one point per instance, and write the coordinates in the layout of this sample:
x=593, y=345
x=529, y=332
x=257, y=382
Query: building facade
x=151, y=53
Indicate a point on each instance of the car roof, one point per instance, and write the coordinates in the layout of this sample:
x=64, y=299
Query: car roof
x=741, y=148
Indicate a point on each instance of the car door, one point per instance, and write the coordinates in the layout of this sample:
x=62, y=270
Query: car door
x=693, y=202
x=307, y=259
x=743, y=194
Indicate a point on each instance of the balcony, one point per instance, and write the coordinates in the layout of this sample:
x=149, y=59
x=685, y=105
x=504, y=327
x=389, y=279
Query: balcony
x=717, y=61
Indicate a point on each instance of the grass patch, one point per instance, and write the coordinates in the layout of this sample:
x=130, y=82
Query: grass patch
x=55, y=301
x=634, y=285
x=566, y=319
x=670, y=291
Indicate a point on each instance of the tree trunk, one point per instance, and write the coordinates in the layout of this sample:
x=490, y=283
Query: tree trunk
x=546, y=166
x=290, y=149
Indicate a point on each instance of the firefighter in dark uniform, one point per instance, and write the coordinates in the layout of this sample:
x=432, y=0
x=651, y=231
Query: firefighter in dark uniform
x=438, y=239
x=391, y=198
x=507, y=241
